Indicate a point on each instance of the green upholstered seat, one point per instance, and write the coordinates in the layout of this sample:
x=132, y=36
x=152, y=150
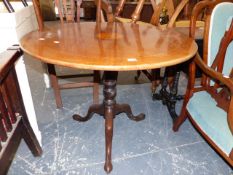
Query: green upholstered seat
x=211, y=119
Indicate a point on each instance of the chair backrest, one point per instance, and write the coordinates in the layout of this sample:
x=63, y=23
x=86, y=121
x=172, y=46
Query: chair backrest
x=66, y=10
x=60, y=3
x=172, y=10
x=156, y=5
x=39, y=17
x=8, y=6
x=221, y=18
x=207, y=7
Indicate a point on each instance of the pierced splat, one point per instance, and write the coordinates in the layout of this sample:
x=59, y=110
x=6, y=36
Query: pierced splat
x=223, y=96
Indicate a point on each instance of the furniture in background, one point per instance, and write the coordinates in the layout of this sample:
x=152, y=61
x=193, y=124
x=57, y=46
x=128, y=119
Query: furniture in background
x=20, y=21
x=170, y=79
x=14, y=123
x=114, y=47
x=89, y=7
x=129, y=7
x=51, y=67
x=171, y=75
x=210, y=106
x=70, y=9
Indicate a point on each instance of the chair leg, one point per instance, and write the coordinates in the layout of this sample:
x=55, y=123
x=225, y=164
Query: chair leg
x=155, y=80
x=183, y=115
x=189, y=92
x=179, y=121
x=171, y=74
x=138, y=75
x=55, y=85
x=31, y=140
x=96, y=87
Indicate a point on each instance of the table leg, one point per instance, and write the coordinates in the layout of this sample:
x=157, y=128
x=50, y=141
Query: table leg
x=109, y=109
x=125, y=108
x=93, y=109
x=109, y=114
x=169, y=98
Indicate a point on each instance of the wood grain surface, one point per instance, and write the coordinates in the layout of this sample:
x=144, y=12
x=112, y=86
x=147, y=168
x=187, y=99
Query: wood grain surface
x=109, y=46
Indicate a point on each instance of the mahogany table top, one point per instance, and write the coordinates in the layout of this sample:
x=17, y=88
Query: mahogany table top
x=109, y=46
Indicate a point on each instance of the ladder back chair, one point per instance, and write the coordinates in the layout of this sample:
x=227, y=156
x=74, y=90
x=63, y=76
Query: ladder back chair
x=69, y=8
x=210, y=106
x=14, y=123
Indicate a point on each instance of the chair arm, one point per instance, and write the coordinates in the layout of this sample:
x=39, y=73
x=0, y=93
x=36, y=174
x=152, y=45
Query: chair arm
x=206, y=5
x=7, y=60
x=226, y=81
x=178, y=9
x=214, y=74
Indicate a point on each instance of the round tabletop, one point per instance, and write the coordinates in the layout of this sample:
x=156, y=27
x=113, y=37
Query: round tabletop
x=109, y=46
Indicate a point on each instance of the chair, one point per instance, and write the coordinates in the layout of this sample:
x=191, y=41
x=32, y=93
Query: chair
x=173, y=11
x=14, y=124
x=69, y=16
x=210, y=106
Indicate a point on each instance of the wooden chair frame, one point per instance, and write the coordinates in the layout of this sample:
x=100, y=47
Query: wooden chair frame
x=9, y=6
x=172, y=11
x=54, y=77
x=208, y=72
x=14, y=124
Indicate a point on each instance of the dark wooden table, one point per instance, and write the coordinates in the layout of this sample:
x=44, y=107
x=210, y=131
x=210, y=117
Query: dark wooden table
x=110, y=47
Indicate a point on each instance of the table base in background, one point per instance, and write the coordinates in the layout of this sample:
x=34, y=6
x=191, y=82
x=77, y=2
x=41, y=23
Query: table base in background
x=109, y=109
x=169, y=98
